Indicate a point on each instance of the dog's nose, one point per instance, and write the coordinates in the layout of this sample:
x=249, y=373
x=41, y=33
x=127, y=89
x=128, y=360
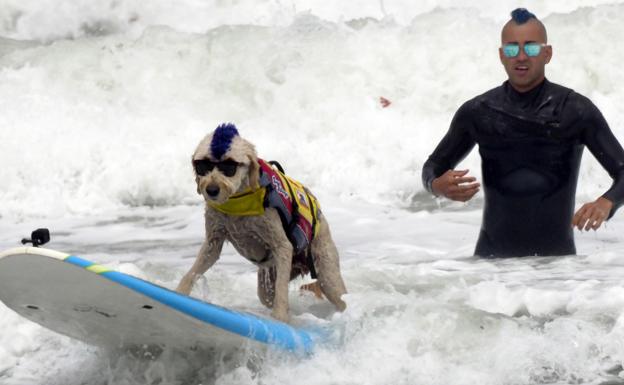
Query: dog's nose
x=212, y=191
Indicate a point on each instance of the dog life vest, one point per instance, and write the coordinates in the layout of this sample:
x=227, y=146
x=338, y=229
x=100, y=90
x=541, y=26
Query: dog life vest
x=297, y=207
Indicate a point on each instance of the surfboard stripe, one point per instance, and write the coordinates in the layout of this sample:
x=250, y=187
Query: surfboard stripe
x=78, y=261
x=262, y=330
x=98, y=269
x=246, y=325
x=93, y=267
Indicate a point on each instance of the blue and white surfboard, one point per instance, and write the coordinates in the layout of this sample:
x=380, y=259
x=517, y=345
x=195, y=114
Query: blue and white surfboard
x=99, y=306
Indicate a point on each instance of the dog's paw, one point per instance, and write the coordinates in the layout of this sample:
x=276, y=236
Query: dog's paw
x=184, y=287
x=280, y=316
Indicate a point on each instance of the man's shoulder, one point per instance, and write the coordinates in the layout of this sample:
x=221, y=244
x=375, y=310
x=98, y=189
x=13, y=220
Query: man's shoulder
x=491, y=93
x=562, y=92
x=569, y=95
x=557, y=87
x=475, y=102
x=496, y=93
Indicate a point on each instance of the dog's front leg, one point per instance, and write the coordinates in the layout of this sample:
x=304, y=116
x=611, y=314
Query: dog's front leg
x=283, y=265
x=208, y=254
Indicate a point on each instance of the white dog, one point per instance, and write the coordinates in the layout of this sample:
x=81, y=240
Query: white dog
x=270, y=219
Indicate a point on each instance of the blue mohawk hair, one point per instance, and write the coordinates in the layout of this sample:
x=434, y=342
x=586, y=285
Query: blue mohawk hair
x=222, y=139
x=522, y=15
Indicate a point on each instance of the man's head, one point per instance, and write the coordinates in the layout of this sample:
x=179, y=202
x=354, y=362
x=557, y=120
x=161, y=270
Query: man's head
x=524, y=52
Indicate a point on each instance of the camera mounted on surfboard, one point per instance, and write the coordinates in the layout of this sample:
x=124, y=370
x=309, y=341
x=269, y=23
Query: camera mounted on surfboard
x=38, y=237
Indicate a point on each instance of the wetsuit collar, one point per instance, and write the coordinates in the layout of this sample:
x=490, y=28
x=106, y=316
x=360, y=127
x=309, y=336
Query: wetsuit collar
x=525, y=99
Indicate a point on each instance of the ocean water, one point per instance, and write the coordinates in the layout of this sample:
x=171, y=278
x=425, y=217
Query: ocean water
x=103, y=102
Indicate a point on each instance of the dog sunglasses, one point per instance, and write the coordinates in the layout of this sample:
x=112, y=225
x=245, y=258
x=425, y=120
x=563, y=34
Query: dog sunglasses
x=203, y=166
x=531, y=49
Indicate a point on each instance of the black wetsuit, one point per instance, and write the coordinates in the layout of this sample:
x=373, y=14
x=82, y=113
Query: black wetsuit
x=530, y=145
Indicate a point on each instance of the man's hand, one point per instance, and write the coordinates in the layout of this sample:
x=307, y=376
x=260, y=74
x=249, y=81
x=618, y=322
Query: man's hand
x=591, y=215
x=455, y=185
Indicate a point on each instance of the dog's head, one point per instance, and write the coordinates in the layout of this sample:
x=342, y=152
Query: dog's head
x=225, y=164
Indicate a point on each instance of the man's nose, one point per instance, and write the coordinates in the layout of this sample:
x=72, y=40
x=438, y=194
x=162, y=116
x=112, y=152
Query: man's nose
x=522, y=55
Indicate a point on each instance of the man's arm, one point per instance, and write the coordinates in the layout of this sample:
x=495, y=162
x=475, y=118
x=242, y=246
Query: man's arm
x=438, y=176
x=601, y=142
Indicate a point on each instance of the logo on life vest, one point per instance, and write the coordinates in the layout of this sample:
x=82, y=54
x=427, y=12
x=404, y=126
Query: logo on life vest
x=302, y=199
x=277, y=185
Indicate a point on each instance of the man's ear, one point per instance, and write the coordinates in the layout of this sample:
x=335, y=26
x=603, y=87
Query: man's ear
x=254, y=172
x=548, y=53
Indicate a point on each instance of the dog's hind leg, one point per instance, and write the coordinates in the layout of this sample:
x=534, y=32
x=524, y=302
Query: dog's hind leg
x=327, y=266
x=266, y=285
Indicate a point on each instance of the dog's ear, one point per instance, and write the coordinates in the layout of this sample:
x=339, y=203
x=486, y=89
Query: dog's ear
x=197, y=183
x=196, y=176
x=254, y=172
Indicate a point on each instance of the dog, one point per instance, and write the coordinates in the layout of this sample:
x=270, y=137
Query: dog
x=247, y=203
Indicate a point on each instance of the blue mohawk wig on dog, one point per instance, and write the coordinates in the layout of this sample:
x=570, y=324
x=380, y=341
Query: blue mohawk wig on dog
x=222, y=139
x=522, y=15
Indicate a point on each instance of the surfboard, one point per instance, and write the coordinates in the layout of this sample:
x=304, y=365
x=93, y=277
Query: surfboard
x=97, y=305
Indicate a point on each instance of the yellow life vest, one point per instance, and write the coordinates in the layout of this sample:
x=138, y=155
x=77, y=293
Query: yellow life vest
x=297, y=207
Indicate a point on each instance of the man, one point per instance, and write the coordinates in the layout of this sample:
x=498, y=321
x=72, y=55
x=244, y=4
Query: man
x=531, y=135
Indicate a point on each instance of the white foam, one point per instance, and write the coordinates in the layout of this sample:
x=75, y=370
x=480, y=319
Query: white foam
x=48, y=20
x=106, y=121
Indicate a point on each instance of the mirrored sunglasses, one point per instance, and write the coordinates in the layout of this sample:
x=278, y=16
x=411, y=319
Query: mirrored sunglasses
x=530, y=49
x=204, y=166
